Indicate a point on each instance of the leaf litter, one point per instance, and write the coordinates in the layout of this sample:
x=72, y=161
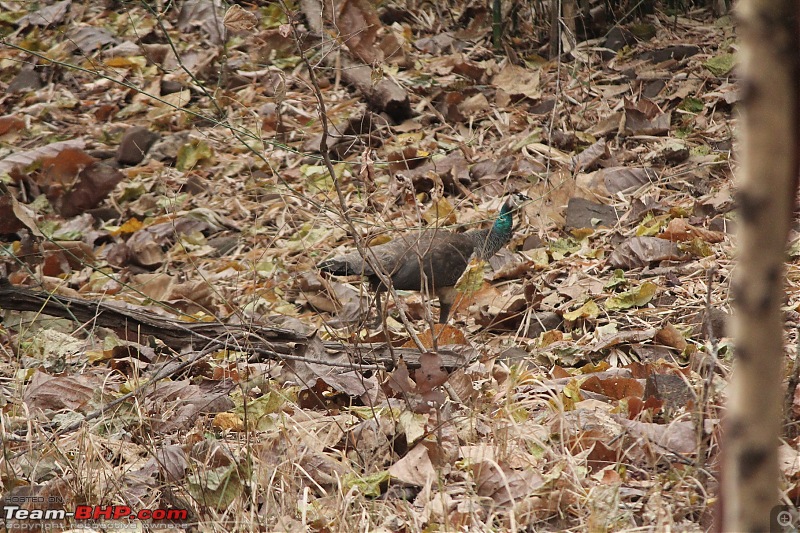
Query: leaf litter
x=194, y=189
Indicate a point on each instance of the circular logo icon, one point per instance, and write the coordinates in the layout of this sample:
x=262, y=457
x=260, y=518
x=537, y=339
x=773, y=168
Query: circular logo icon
x=784, y=518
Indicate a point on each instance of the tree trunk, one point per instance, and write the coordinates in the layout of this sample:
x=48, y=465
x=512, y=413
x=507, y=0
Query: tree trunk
x=768, y=173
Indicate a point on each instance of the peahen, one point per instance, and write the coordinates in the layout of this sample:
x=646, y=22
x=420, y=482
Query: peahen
x=443, y=256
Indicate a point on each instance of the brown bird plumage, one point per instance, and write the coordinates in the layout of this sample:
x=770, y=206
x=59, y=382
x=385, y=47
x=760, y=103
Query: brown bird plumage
x=428, y=260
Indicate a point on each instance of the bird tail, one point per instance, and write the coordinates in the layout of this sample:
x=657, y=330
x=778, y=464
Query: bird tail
x=342, y=266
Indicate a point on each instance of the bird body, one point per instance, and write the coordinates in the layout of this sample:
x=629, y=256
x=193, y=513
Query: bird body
x=428, y=260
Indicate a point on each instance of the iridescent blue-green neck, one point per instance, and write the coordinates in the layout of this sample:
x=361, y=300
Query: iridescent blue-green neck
x=504, y=221
x=489, y=241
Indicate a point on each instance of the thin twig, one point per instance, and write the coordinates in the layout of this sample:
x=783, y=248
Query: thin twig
x=323, y=147
x=791, y=389
x=708, y=366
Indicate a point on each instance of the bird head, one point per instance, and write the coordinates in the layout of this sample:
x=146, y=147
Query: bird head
x=514, y=201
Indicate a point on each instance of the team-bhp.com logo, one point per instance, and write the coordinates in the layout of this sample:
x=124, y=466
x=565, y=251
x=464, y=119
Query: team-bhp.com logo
x=95, y=513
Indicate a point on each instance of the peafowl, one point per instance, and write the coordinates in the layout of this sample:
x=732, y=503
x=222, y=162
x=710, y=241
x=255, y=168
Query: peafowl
x=428, y=260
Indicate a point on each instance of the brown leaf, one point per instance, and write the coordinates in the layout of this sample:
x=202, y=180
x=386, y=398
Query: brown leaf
x=506, y=486
x=358, y=23
x=590, y=157
x=46, y=16
x=322, y=468
x=641, y=251
x=415, y=468
x=516, y=80
x=51, y=393
x=626, y=179
x=9, y=223
x=24, y=159
x=583, y=213
x=202, y=14
x=175, y=405
x=445, y=334
x=637, y=123
x=449, y=105
x=143, y=250
x=680, y=230
x=622, y=337
x=237, y=19
x=90, y=38
x=399, y=381
x=670, y=336
x=135, y=144
x=172, y=462
x=615, y=387
x=677, y=437
x=313, y=369
x=671, y=389
x=154, y=286
x=64, y=167
x=464, y=385
x=93, y=185
x=407, y=158
x=430, y=373
x=10, y=123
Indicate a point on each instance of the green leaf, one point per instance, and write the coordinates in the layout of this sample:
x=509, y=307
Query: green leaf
x=192, y=153
x=257, y=409
x=692, y=105
x=633, y=298
x=561, y=248
x=369, y=485
x=697, y=247
x=219, y=486
x=414, y=426
x=721, y=64
x=571, y=394
x=538, y=256
x=617, y=279
x=651, y=225
x=131, y=191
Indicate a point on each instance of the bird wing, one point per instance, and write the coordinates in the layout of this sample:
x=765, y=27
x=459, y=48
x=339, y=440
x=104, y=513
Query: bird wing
x=442, y=256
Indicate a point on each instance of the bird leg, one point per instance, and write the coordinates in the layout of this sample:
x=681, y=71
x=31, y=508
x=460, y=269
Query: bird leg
x=447, y=296
x=378, y=311
x=444, y=311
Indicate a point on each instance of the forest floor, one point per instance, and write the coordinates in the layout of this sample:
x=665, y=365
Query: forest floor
x=580, y=382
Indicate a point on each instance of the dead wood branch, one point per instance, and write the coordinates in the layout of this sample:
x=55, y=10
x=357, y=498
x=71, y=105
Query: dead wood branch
x=137, y=324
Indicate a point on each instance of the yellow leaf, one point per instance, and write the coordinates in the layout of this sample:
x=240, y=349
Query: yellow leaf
x=587, y=310
x=227, y=422
x=132, y=225
x=472, y=278
x=125, y=62
x=440, y=213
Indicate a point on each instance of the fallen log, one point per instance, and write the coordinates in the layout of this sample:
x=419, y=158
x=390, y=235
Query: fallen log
x=137, y=324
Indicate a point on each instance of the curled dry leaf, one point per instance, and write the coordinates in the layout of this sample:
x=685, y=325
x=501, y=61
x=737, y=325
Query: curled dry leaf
x=641, y=251
x=615, y=387
x=679, y=229
x=670, y=336
x=399, y=381
x=238, y=19
x=359, y=22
